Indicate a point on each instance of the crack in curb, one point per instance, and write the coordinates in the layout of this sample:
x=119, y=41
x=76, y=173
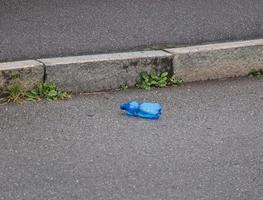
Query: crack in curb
x=45, y=70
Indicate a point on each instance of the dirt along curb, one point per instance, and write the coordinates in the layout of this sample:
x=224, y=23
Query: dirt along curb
x=109, y=71
x=28, y=72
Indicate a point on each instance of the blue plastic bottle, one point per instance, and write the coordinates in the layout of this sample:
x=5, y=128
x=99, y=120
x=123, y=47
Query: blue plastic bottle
x=144, y=110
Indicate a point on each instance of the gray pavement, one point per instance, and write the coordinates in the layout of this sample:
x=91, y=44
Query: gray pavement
x=36, y=29
x=207, y=145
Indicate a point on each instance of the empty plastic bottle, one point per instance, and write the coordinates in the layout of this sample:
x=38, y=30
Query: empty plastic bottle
x=144, y=110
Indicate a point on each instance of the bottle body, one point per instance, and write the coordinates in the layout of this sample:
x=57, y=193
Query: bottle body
x=144, y=110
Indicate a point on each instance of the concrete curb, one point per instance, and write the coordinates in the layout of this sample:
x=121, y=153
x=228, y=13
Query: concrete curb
x=105, y=71
x=28, y=72
x=109, y=71
x=216, y=61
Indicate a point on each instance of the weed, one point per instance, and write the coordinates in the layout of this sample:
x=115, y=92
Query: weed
x=15, y=92
x=153, y=79
x=48, y=91
x=124, y=86
x=256, y=73
x=175, y=81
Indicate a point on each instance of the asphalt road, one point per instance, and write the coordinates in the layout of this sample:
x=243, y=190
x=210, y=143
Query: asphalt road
x=207, y=145
x=34, y=29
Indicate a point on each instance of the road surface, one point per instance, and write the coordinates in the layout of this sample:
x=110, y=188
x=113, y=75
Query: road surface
x=207, y=145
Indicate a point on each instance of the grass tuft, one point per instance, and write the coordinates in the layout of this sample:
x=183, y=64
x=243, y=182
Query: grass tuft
x=43, y=91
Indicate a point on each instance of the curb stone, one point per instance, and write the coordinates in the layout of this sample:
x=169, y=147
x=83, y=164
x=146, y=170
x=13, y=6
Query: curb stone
x=105, y=71
x=108, y=71
x=28, y=72
x=216, y=61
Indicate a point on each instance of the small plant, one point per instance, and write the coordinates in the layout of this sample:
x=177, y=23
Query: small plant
x=15, y=92
x=256, y=73
x=48, y=91
x=173, y=80
x=153, y=79
x=124, y=86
